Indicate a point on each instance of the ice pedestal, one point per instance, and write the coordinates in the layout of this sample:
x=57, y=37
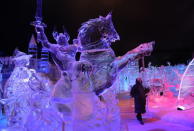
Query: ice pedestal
x=64, y=109
x=62, y=100
x=47, y=119
x=89, y=113
x=112, y=109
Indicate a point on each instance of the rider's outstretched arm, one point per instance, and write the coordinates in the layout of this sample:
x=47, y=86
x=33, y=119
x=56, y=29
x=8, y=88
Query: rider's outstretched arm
x=41, y=36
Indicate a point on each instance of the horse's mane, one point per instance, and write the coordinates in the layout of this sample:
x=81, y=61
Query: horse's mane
x=89, y=24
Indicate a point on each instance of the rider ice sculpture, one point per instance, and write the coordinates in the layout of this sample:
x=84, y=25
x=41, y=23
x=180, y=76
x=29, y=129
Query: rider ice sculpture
x=63, y=55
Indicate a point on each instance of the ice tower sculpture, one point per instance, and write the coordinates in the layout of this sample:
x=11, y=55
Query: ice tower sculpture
x=186, y=90
x=44, y=61
x=32, y=50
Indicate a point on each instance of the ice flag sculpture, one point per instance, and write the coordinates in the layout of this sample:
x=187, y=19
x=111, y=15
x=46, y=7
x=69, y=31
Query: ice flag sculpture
x=186, y=91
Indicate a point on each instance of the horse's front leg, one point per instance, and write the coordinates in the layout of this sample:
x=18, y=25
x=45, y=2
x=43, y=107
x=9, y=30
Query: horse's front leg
x=142, y=50
x=121, y=61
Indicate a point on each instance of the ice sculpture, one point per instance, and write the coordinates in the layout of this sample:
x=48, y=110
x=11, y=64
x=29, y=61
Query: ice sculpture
x=127, y=76
x=81, y=84
x=163, y=79
x=186, y=90
x=17, y=91
x=96, y=36
x=63, y=55
x=27, y=99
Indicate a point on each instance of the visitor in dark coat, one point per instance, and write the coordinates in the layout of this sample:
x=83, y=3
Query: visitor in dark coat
x=139, y=94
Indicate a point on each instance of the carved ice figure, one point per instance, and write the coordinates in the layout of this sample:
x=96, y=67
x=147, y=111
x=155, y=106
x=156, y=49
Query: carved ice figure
x=27, y=99
x=18, y=92
x=63, y=55
x=163, y=79
x=96, y=36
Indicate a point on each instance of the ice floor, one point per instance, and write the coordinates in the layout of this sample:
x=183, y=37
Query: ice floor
x=161, y=115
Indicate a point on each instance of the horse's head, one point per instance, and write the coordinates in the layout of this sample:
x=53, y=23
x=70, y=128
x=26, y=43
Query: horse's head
x=98, y=33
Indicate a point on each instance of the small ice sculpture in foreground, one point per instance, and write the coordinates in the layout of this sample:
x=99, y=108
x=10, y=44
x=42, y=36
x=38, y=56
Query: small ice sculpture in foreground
x=18, y=92
x=27, y=99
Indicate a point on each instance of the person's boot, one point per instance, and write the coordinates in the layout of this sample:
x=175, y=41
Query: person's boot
x=139, y=118
x=141, y=122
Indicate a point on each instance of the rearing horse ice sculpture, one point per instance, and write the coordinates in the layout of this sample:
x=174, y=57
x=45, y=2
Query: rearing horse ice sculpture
x=96, y=36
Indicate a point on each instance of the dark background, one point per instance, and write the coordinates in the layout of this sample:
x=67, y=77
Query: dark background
x=169, y=22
